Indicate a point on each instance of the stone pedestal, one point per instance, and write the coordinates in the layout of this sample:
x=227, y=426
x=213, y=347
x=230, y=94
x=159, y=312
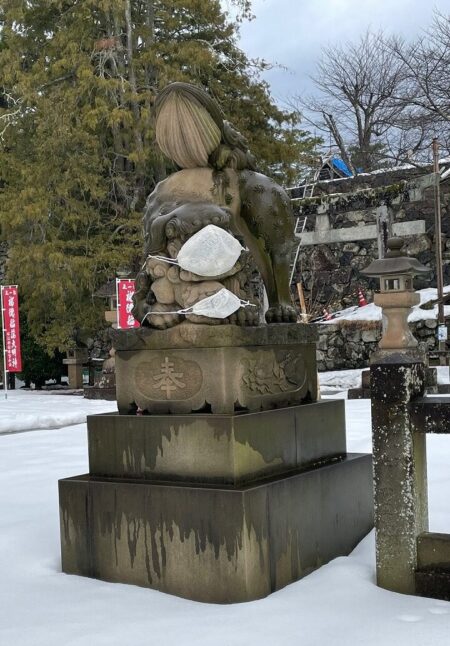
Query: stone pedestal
x=104, y=386
x=217, y=507
x=220, y=369
x=216, y=449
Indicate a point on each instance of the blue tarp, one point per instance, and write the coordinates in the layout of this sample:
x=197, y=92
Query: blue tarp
x=341, y=166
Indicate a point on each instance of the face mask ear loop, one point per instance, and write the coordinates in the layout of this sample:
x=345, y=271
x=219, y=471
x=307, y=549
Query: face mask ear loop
x=188, y=310
x=170, y=261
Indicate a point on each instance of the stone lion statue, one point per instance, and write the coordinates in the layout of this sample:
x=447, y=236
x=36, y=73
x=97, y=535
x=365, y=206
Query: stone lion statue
x=217, y=184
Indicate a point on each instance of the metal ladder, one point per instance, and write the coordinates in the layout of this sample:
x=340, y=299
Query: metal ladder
x=308, y=190
x=300, y=222
x=300, y=225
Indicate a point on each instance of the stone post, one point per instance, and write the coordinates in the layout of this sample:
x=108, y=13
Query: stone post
x=399, y=464
x=384, y=217
x=397, y=376
x=75, y=360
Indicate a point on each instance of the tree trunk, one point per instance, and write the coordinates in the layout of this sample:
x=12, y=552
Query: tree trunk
x=331, y=123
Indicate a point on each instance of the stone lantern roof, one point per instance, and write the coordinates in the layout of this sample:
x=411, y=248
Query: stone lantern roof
x=107, y=290
x=395, y=263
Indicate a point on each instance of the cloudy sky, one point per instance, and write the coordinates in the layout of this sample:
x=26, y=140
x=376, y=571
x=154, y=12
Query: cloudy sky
x=292, y=32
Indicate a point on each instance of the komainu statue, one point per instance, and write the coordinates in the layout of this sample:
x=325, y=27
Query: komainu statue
x=217, y=185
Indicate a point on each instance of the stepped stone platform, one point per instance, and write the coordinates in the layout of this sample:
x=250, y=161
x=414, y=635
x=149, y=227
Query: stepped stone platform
x=217, y=449
x=216, y=507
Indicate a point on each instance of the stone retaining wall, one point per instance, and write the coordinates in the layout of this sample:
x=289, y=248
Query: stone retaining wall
x=349, y=344
x=331, y=273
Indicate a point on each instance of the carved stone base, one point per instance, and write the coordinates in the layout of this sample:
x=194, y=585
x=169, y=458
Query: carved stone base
x=219, y=545
x=216, y=369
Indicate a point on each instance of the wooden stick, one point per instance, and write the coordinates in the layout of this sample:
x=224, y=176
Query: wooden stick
x=302, y=302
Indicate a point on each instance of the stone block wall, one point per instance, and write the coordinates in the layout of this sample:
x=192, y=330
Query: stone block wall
x=350, y=344
x=330, y=273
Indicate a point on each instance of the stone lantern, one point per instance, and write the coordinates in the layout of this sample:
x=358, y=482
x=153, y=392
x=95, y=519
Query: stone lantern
x=108, y=292
x=396, y=272
x=397, y=381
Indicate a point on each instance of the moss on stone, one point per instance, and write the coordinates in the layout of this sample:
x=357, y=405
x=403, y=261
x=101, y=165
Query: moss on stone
x=360, y=199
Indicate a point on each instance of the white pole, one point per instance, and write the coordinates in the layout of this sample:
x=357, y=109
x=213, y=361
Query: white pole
x=5, y=376
x=117, y=303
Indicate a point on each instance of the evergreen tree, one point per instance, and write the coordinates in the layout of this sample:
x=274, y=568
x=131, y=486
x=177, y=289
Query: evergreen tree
x=38, y=366
x=77, y=152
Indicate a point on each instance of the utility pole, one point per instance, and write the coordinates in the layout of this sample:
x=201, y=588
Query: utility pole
x=438, y=249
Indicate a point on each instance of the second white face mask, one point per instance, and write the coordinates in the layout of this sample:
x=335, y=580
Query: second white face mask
x=217, y=306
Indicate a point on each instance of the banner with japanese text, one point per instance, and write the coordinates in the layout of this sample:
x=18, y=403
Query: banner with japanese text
x=11, y=329
x=125, y=290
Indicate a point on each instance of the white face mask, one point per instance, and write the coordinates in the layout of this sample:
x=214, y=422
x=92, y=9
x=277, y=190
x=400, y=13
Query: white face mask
x=212, y=251
x=218, y=306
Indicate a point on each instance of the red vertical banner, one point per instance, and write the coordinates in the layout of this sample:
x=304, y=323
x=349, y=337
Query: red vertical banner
x=125, y=289
x=11, y=329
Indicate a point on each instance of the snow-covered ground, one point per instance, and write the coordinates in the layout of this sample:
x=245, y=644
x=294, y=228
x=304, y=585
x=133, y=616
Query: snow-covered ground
x=29, y=410
x=340, y=381
x=338, y=605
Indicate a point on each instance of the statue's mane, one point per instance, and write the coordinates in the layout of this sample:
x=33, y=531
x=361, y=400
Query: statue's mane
x=191, y=130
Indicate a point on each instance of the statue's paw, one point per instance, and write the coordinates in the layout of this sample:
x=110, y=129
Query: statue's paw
x=281, y=314
x=156, y=316
x=245, y=316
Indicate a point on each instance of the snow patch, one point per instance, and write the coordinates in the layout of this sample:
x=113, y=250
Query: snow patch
x=34, y=410
x=372, y=312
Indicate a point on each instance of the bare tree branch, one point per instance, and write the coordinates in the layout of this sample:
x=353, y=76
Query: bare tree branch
x=358, y=83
